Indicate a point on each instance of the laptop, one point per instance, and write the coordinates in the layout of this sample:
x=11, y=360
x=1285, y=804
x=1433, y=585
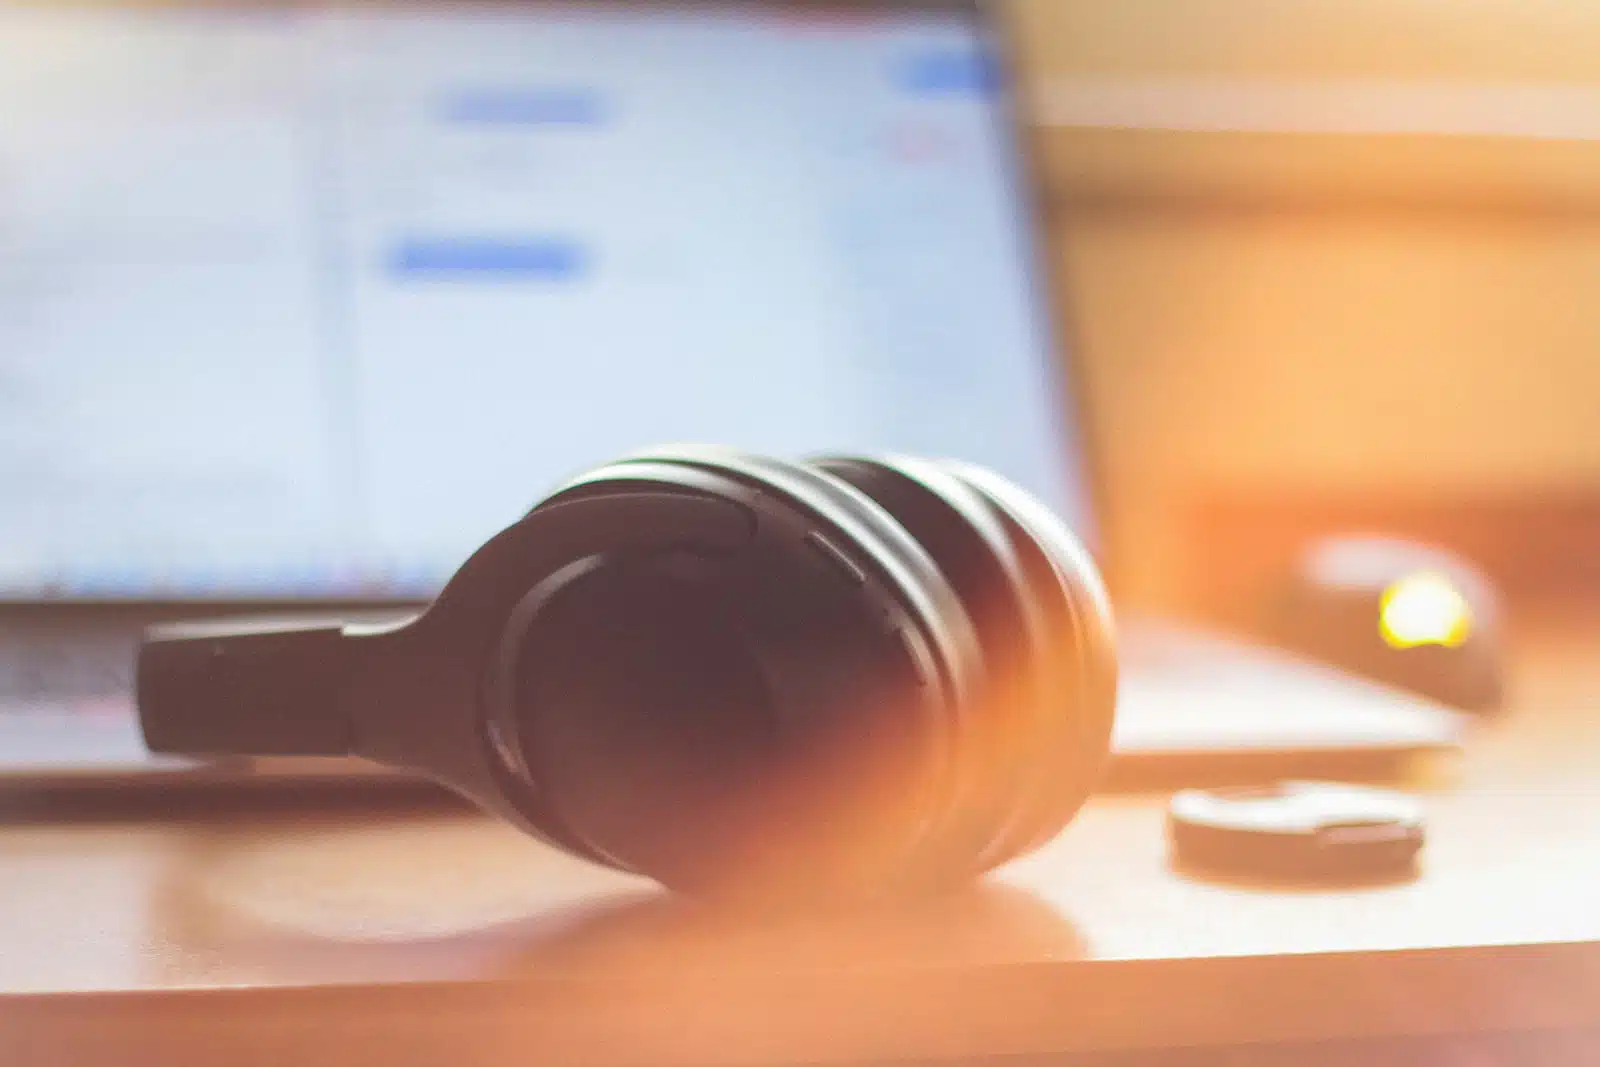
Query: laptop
x=299, y=304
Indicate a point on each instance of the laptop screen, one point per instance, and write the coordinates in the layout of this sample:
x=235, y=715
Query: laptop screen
x=301, y=303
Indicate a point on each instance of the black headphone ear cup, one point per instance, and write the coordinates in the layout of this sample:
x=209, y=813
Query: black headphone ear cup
x=842, y=636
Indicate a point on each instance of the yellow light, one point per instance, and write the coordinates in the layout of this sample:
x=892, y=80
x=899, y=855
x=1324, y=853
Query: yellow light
x=1423, y=609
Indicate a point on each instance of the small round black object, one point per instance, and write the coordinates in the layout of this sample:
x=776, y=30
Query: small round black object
x=1296, y=829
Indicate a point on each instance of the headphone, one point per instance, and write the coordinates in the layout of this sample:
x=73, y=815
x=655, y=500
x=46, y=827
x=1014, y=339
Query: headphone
x=842, y=677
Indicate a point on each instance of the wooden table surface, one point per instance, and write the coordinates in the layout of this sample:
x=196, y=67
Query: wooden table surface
x=442, y=937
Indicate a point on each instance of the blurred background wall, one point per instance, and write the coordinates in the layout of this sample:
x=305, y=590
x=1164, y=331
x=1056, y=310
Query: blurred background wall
x=1334, y=264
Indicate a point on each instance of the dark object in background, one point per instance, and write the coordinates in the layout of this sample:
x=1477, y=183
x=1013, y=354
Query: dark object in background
x=733, y=674
x=1400, y=613
x=1296, y=830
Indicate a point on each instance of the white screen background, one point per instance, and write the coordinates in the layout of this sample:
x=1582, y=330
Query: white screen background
x=310, y=303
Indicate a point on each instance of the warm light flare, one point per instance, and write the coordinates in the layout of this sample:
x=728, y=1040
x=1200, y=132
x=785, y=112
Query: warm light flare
x=1423, y=609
